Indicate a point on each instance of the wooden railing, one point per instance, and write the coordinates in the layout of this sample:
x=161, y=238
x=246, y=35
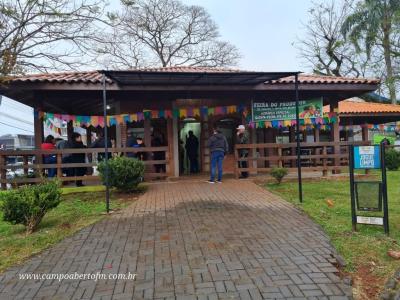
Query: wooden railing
x=32, y=169
x=321, y=156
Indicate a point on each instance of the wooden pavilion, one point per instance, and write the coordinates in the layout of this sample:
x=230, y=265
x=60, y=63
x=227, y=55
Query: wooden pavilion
x=170, y=101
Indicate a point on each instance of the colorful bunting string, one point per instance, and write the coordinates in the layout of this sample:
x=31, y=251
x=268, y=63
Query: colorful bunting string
x=183, y=112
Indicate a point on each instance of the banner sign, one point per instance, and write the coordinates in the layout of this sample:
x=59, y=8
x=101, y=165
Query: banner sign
x=367, y=157
x=286, y=110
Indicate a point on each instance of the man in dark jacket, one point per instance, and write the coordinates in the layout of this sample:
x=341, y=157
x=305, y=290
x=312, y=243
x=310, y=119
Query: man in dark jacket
x=218, y=147
x=100, y=142
x=77, y=158
x=192, y=146
x=242, y=137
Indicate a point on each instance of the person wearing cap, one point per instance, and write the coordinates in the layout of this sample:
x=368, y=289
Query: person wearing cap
x=218, y=148
x=242, y=137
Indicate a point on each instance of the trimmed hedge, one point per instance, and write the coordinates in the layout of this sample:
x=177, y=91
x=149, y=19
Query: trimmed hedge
x=124, y=173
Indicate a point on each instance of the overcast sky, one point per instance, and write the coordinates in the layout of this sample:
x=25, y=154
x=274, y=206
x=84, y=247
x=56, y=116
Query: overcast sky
x=263, y=30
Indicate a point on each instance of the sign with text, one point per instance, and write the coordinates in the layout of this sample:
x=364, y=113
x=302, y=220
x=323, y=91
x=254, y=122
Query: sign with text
x=367, y=157
x=286, y=110
x=370, y=220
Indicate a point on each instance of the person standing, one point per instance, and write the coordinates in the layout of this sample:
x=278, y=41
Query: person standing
x=139, y=144
x=242, y=137
x=218, y=146
x=49, y=144
x=192, y=146
x=77, y=158
x=100, y=142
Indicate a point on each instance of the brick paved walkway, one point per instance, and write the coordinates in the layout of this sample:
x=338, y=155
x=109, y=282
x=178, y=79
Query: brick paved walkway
x=191, y=240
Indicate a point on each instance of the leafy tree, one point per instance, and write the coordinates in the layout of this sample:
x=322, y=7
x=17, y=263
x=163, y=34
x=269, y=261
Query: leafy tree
x=374, y=23
x=165, y=33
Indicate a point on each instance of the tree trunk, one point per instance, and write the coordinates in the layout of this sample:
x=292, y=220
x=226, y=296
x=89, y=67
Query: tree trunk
x=390, y=81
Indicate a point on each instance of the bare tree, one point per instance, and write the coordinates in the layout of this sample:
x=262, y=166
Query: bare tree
x=324, y=48
x=42, y=35
x=165, y=33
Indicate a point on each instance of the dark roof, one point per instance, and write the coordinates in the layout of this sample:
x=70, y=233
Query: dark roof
x=189, y=74
x=316, y=79
x=193, y=76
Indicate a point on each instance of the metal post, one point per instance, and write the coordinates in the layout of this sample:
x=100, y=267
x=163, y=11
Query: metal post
x=384, y=191
x=352, y=195
x=106, y=144
x=296, y=85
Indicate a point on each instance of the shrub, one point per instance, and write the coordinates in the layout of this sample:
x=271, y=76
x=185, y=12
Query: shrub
x=28, y=205
x=392, y=159
x=124, y=173
x=279, y=173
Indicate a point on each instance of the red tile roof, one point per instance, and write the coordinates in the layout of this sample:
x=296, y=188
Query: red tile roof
x=94, y=77
x=351, y=107
x=64, y=77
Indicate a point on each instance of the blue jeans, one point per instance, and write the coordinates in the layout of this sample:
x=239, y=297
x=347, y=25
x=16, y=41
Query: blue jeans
x=51, y=159
x=216, y=161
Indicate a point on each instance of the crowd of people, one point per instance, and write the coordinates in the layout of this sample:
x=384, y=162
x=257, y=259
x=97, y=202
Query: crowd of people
x=75, y=142
x=217, y=144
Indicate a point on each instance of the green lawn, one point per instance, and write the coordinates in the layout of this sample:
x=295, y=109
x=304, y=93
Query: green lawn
x=76, y=211
x=365, y=251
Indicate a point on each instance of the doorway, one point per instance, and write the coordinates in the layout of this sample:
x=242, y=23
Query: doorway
x=227, y=126
x=187, y=152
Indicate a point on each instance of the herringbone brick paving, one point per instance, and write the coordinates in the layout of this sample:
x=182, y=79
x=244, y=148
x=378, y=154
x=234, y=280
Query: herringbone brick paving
x=191, y=240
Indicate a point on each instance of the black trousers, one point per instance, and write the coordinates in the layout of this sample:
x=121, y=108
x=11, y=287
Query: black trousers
x=244, y=164
x=194, y=164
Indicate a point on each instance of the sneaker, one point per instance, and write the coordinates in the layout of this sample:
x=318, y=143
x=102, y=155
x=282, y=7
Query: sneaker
x=219, y=181
x=209, y=181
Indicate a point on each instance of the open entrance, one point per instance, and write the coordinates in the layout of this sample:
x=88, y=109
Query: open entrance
x=189, y=146
x=228, y=126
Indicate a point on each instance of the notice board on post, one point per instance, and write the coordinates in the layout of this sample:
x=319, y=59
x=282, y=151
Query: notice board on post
x=367, y=157
x=286, y=110
x=368, y=196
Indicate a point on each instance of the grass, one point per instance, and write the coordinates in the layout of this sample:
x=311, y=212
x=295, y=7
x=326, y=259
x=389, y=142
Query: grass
x=365, y=251
x=76, y=211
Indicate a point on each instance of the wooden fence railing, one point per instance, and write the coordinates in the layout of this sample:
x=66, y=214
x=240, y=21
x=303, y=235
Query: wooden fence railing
x=32, y=169
x=321, y=156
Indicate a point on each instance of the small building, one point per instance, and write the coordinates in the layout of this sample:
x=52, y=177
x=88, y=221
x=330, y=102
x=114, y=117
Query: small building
x=17, y=142
x=362, y=120
x=170, y=101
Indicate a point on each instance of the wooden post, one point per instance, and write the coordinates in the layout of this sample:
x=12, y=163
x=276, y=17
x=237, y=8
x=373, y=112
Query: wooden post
x=59, y=162
x=38, y=128
x=39, y=136
x=236, y=167
x=324, y=163
x=147, y=132
x=335, y=135
x=268, y=138
x=365, y=135
x=280, y=161
x=124, y=134
x=170, y=155
x=253, y=139
x=350, y=137
x=316, y=151
x=316, y=135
